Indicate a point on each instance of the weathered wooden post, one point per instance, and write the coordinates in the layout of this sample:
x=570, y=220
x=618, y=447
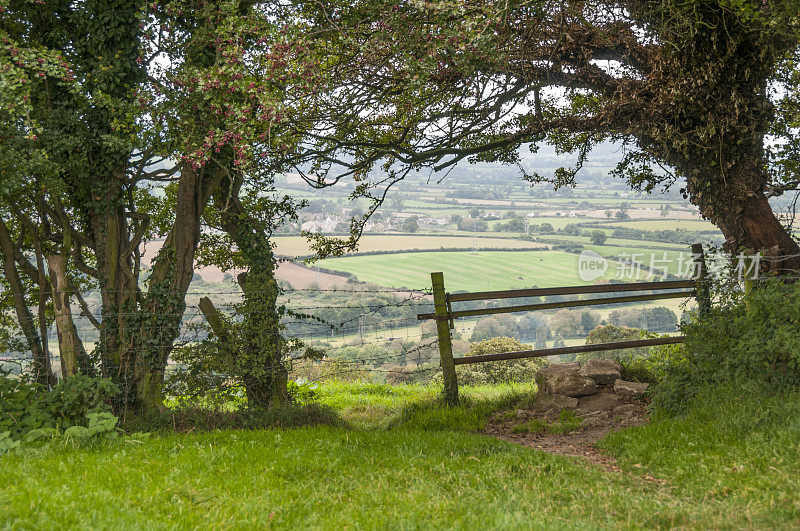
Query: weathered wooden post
x=749, y=275
x=701, y=276
x=445, y=343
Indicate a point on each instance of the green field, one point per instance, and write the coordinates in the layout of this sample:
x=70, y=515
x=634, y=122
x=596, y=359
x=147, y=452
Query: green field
x=298, y=246
x=484, y=270
x=715, y=467
x=665, y=224
x=487, y=270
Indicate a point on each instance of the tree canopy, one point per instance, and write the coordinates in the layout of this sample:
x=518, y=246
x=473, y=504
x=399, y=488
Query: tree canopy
x=696, y=92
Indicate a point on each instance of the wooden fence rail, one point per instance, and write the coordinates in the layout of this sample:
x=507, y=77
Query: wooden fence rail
x=444, y=315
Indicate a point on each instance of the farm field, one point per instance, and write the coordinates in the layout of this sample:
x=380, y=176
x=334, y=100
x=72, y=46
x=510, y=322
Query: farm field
x=298, y=246
x=711, y=468
x=670, y=224
x=484, y=270
x=489, y=270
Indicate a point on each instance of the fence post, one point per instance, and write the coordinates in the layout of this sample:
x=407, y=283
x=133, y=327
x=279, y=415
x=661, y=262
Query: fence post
x=749, y=276
x=701, y=275
x=445, y=344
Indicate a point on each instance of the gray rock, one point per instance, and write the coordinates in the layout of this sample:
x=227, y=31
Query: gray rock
x=626, y=409
x=595, y=414
x=593, y=422
x=599, y=402
x=602, y=371
x=563, y=379
x=553, y=403
x=621, y=387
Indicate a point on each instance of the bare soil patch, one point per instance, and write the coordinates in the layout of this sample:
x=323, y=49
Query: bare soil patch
x=599, y=415
x=302, y=277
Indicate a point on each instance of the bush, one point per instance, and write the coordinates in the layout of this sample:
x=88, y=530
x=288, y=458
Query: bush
x=644, y=364
x=198, y=419
x=611, y=334
x=329, y=369
x=26, y=406
x=757, y=339
x=495, y=372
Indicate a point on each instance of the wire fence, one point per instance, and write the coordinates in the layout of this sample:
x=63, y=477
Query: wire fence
x=381, y=335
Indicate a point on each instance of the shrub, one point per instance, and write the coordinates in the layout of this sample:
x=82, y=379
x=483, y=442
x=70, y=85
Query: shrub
x=26, y=406
x=645, y=364
x=495, y=372
x=329, y=369
x=756, y=338
x=611, y=334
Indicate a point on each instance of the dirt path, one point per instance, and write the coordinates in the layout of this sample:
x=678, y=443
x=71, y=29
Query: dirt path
x=580, y=442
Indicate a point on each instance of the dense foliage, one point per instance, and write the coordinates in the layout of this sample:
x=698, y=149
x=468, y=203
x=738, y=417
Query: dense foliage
x=688, y=88
x=24, y=406
x=498, y=372
x=753, y=337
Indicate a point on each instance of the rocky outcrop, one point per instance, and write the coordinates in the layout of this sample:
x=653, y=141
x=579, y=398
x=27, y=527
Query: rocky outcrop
x=601, y=371
x=633, y=389
x=588, y=387
x=603, y=401
x=553, y=404
x=564, y=379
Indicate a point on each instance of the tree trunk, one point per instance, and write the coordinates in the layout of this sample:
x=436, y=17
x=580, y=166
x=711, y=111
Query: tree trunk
x=74, y=359
x=42, y=370
x=737, y=205
x=119, y=333
x=265, y=375
x=171, y=275
x=754, y=226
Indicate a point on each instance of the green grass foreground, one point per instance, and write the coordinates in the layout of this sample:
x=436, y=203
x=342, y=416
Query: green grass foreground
x=733, y=461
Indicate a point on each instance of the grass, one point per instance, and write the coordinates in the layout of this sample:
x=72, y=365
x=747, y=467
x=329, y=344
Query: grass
x=379, y=406
x=664, y=224
x=730, y=462
x=297, y=246
x=493, y=270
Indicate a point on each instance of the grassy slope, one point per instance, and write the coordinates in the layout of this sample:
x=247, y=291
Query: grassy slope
x=464, y=270
x=730, y=465
x=487, y=269
x=298, y=246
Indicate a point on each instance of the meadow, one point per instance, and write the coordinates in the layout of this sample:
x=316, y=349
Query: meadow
x=730, y=462
x=298, y=246
x=490, y=270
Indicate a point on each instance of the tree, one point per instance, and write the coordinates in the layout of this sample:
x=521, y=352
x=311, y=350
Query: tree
x=589, y=321
x=598, y=237
x=683, y=86
x=566, y=323
x=137, y=149
x=411, y=224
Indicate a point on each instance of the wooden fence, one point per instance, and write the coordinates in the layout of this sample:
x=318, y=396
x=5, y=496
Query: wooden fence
x=444, y=315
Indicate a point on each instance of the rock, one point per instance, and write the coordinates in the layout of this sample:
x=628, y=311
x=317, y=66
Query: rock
x=602, y=371
x=599, y=402
x=624, y=388
x=596, y=415
x=522, y=414
x=552, y=404
x=626, y=409
x=563, y=379
x=593, y=422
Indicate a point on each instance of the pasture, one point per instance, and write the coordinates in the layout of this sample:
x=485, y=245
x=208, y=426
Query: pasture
x=298, y=246
x=428, y=467
x=490, y=270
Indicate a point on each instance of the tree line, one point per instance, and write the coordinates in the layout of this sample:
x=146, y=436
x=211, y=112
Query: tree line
x=126, y=122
